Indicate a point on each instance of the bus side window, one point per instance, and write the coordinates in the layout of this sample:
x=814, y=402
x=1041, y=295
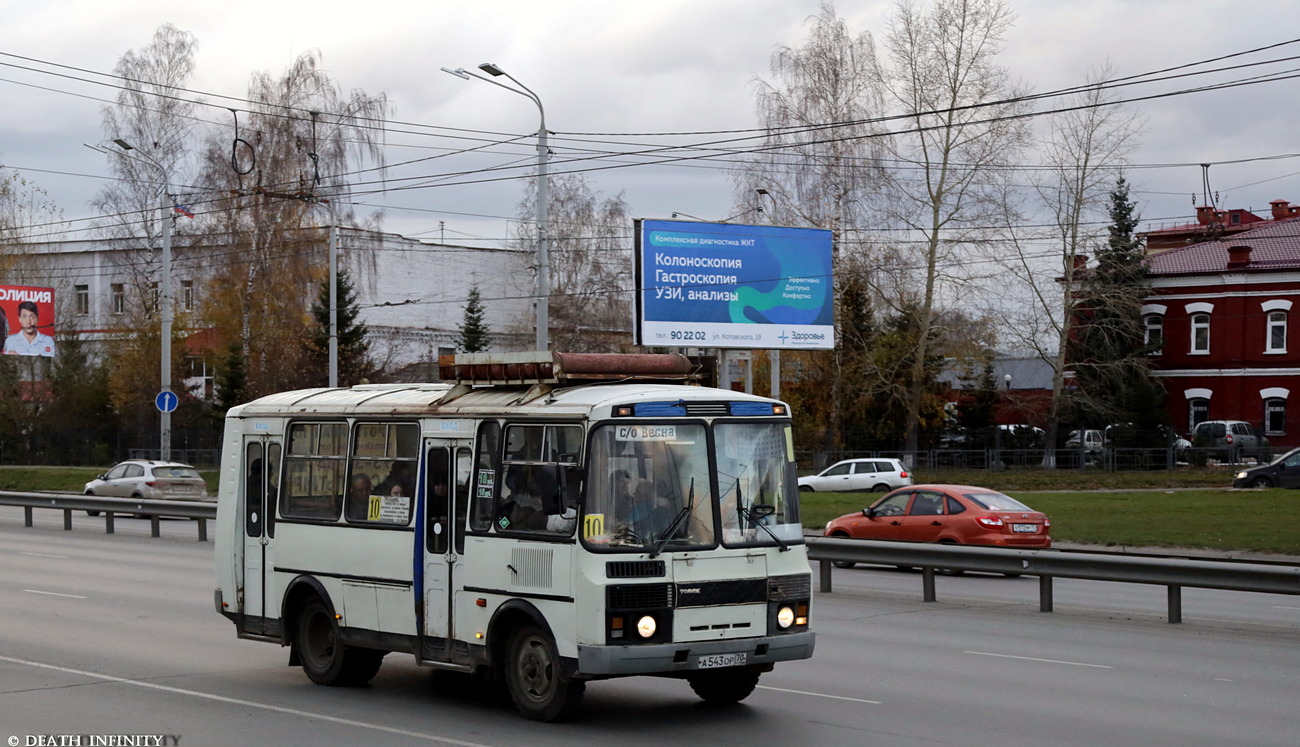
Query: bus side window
x=438, y=524
x=464, y=479
x=254, y=490
x=272, y=485
x=485, y=476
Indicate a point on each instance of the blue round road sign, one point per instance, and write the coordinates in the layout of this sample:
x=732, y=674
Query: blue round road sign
x=166, y=401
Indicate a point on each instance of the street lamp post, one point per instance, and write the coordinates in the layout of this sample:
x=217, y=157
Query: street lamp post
x=543, y=261
x=164, y=197
x=774, y=355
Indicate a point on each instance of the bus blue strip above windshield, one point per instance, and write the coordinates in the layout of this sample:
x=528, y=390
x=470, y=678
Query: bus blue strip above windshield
x=681, y=408
x=660, y=409
x=751, y=408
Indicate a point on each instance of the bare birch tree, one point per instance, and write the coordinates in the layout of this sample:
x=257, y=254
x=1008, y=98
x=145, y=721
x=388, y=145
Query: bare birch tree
x=276, y=179
x=819, y=165
x=949, y=182
x=590, y=264
x=1081, y=154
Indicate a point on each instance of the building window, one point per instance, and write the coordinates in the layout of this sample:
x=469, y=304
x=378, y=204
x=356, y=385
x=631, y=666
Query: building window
x=1276, y=332
x=1200, y=334
x=1155, y=334
x=82, y=297
x=1274, y=416
x=118, y=298
x=187, y=295
x=1198, y=411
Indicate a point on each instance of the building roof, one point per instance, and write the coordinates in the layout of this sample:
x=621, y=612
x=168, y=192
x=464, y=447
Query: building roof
x=1273, y=246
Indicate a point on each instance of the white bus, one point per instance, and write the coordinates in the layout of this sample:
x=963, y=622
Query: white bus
x=544, y=520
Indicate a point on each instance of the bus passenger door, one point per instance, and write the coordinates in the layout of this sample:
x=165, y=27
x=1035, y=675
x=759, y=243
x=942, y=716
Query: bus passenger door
x=447, y=474
x=261, y=473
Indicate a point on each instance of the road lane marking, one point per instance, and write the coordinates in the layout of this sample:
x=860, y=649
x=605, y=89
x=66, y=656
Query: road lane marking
x=1034, y=658
x=1277, y=607
x=53, y=594
x=44, y=555
x=820, y=695
x=247, y=703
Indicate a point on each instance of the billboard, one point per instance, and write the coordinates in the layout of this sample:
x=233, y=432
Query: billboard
x=723, y=285
x=28, y=320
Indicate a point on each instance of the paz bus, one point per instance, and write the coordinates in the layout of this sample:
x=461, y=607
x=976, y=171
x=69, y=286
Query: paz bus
x=542, y=520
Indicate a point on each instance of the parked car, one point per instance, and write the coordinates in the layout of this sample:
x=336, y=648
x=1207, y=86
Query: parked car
x=1230, y=441
x=1283, y=472
x=146, y=478
x=955, y=514
x=1088, y=440
x=879, y=475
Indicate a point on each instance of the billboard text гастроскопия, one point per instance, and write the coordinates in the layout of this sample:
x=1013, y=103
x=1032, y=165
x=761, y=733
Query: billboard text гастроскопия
x=724, y=285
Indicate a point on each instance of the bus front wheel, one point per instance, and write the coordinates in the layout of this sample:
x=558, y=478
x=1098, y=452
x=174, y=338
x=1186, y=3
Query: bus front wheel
x=724, y=686
x=534, y=678
x=325, y=658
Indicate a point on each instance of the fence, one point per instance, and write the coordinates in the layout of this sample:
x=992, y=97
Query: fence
x=201, y=512
x=1170, y=572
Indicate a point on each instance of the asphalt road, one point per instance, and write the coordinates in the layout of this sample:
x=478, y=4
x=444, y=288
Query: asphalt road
x=115, y=634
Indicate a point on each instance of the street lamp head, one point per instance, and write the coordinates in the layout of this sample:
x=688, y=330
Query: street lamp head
x=761, y=191
x=491, y=69
x=124, y=145
x=458, y=72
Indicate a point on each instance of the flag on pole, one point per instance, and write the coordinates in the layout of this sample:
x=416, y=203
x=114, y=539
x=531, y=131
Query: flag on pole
x=182, y=209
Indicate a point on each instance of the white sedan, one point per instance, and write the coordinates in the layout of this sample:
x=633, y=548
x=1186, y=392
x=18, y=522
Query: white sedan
x=878, y=475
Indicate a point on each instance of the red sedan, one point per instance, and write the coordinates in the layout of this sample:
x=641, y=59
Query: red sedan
x=959, y=514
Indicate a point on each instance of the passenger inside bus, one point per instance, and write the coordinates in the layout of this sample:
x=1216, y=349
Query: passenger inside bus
x=532, y=502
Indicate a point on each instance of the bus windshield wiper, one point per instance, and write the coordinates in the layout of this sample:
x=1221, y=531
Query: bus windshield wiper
x=758, y=520
x=677, y=520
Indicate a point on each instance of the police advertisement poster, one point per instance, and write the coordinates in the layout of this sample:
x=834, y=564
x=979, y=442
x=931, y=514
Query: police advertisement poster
x=28, y=320
x=723, y=285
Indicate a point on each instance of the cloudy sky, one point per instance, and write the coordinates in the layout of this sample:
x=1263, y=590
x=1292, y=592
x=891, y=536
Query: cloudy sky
x=658, y=66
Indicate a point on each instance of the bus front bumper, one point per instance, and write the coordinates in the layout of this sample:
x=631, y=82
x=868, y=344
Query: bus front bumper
x=684, y=658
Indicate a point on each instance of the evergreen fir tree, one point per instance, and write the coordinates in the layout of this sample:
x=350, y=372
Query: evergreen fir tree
x=474, y=335
x=354, y=349
x=1109, y=353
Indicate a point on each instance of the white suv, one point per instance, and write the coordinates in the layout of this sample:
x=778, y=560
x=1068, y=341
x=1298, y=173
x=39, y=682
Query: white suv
x=145, y=478
x=879, y=475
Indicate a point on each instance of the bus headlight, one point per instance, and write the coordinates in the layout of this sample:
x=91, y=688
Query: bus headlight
x=646, y=626
x=785, y=617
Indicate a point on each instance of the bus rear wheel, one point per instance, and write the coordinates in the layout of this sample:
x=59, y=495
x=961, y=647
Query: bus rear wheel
x=325, y=658
x=724, y=686
x=534, y=678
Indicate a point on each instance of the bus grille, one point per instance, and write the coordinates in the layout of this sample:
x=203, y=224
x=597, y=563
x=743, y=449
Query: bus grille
x=707, y=409
x=635, y=569
x=640, y=596
x=532, y=566
x=708, y=594
x=789, y=588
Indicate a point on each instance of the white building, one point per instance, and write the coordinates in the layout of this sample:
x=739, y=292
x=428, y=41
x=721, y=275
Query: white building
x=411, y=293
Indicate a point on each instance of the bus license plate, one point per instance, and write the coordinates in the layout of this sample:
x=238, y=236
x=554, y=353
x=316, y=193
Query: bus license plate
x=1028, y=528
x=713, y=661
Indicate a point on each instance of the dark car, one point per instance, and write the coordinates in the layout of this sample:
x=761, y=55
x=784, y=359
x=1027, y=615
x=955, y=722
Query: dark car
x=1283, y=472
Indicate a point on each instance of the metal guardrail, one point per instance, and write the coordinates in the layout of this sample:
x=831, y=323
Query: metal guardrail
x=1172, y=573
x=202, y=512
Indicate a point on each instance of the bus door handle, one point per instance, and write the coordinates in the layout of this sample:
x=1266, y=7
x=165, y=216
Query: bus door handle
x=450, y=558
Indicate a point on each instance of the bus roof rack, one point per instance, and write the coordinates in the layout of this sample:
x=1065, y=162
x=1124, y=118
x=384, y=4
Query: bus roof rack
x=568, y=369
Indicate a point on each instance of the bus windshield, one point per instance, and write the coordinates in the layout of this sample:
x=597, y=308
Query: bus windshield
x=649, y=487
x=649, y=484
x=756, y=484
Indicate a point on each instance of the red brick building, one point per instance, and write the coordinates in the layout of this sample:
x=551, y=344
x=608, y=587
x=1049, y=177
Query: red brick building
x=1223, y=300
